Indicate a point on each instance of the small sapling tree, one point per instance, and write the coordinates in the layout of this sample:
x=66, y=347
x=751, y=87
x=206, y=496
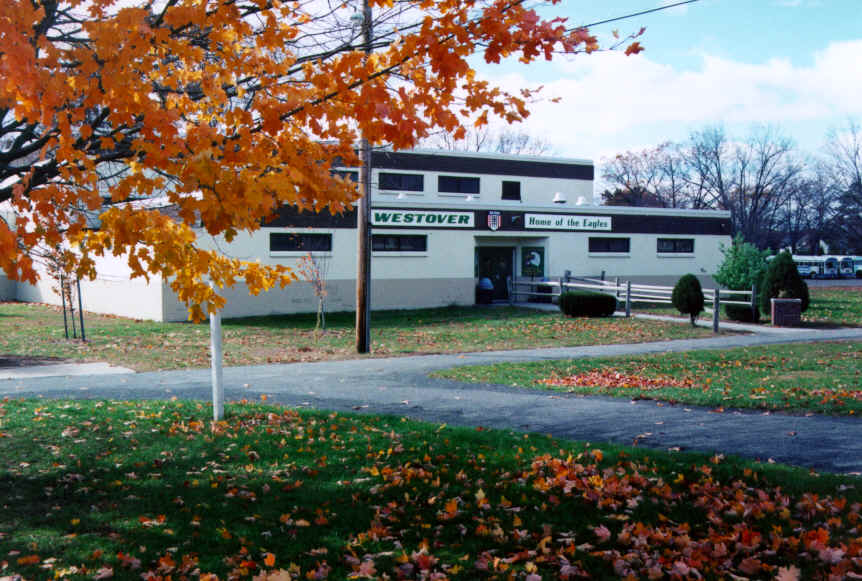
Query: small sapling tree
x=314, y=269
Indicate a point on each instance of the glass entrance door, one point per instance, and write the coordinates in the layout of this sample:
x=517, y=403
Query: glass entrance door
x=496, y=264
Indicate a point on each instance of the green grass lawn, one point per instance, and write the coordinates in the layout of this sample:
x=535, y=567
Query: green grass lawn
x=819, y=377
x=153, y=490
x=835, y=306
x=830, y=307
x=36, y=331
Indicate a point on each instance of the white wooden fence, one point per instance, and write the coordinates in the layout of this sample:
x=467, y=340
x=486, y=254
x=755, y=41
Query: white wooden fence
x=629, y=293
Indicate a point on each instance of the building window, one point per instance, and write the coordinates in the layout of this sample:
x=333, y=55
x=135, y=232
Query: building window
x=512, y=191
x=399, y=243
x=348, y=174
x=621, y=245
x=402, y=182
x=676, y=245
x=295, y=242
x=457, y=185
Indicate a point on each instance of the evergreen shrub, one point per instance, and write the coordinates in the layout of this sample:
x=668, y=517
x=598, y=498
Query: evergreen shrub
x=687, y=296
x=742, y=313
x=782, y=278
x=587, y=304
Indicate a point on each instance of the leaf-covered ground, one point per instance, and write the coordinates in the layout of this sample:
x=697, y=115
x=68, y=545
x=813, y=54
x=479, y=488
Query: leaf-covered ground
x=32, y=331
x=133, y=490
x=817, y=377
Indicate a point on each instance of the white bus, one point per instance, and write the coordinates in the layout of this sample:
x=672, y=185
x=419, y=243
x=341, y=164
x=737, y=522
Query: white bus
x=810, y=266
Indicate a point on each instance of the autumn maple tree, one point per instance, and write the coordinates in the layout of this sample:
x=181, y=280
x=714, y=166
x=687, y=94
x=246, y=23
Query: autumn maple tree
x=230, y=109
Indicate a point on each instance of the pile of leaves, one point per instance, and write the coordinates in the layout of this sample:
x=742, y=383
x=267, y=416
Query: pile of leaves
x=151, y=490
x=613, y=379
x=816, y=377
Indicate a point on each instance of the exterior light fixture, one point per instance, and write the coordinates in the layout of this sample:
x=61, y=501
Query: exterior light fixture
x=559, y=198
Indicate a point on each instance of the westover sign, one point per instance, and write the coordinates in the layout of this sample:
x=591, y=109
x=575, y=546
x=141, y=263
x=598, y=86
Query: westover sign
x=422, y=218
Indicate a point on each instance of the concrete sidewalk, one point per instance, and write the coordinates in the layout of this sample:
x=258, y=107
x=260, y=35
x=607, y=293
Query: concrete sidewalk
x=401, y=386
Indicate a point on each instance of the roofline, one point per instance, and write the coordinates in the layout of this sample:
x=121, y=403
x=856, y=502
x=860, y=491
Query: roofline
x=491, y=155
x=584, y=209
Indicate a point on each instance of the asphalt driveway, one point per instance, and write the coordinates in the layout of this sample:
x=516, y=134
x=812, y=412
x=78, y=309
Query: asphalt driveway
x=401, y=386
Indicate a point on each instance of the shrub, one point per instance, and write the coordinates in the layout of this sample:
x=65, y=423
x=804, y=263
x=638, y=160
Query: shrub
x=743, y=267
x=687, y=296
x=782, y=279
x=587, y=304
x=742, y=313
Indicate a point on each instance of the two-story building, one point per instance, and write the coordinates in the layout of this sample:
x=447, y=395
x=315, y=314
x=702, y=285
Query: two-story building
x=440, y=222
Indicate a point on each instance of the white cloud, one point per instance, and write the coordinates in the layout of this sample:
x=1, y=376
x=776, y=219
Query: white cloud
x=611, y=102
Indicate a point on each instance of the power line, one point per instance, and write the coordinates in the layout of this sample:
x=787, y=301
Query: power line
x=641, y=13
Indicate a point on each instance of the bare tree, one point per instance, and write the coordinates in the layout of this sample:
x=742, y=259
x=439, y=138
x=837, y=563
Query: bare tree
x=754, y=179
x=844, y=160
x=486, y=139
x=635, y=176
x=652, y=177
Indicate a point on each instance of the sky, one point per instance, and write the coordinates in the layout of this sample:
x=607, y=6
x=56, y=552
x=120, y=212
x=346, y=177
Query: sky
x=793, y=64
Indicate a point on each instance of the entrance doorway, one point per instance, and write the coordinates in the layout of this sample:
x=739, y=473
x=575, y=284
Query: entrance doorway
x=496, y=264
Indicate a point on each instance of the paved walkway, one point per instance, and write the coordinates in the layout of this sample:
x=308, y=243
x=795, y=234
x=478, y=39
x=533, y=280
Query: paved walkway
x=401, y=386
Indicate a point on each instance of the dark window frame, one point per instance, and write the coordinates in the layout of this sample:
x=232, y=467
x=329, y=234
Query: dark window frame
x=399, y=243
x=675, y=246
x=400, y=182
x=609, y=245
x=300, y=242
x=511, y=190
x=465, y=185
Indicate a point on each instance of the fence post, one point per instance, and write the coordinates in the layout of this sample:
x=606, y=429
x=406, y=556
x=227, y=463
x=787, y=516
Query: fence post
x=63, y=299
x=603, y=275
x=80, y=310
x=754, y=302
x=716, y=305
x=628, y=298
x=617, y=283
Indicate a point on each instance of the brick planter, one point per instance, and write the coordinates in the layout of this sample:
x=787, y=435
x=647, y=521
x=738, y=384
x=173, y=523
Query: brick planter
x=786, y=312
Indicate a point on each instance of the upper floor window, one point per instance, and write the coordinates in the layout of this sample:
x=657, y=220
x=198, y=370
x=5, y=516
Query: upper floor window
x=457, y=185
x=299, y=242
x=347, y=174
x=675, y=245
x=401, y=182
x=622, y=245
x=512, y=191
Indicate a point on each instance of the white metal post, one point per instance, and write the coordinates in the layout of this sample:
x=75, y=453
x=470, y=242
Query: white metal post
x=217, y=375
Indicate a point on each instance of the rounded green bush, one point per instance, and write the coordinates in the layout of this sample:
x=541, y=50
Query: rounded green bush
x=587, y=304
x=687, y=296
x=783, y=279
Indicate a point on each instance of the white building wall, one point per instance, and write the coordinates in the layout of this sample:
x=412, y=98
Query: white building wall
x=112, y=292
x=8, y=289
x=534, y=191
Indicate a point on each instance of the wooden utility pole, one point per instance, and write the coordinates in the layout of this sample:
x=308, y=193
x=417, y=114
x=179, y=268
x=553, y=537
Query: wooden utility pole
x=363, y=274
